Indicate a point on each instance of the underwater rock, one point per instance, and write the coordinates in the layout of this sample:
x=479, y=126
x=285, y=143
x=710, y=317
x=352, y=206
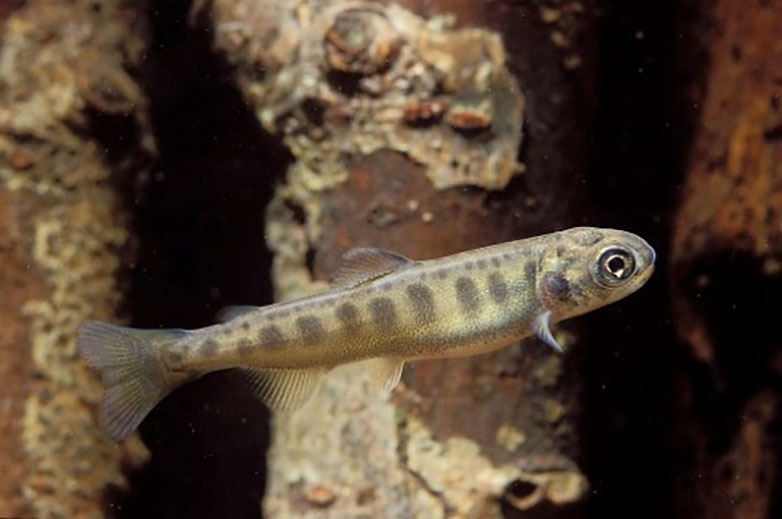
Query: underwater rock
x=62, y=228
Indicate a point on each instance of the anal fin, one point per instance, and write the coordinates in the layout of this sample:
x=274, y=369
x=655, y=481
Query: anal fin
x=284, y=389
x=386, y=372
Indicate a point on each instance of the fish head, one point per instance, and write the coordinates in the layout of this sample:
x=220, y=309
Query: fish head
x=585, y=268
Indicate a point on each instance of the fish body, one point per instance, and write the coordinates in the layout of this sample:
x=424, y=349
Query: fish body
x=382, y=308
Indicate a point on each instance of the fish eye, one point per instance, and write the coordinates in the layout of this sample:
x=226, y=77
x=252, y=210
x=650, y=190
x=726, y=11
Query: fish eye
x=615, y=266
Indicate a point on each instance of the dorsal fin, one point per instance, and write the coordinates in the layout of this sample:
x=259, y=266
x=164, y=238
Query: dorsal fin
x=364, y=264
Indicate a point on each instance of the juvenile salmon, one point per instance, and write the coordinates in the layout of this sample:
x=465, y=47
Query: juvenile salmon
x=382, y=308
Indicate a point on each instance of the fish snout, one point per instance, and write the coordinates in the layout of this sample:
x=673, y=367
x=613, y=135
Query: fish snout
x=647, y=254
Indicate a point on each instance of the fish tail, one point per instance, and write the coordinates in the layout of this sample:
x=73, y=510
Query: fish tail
x=133, y=376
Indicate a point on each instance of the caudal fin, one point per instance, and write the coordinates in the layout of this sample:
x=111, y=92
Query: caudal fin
x=132, y=375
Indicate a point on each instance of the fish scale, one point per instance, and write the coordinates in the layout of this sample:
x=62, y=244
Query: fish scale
x=383, y=309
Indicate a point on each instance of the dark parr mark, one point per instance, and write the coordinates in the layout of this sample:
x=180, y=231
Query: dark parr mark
x=467, y=294
x=208, y=348
x=174, y=358
x=245, y=326
x=468, y=265
x=348, y=314
x=310, y=327
x=244, y=347
x=496, y=261
x=481, y=264
x=383, y=312
x=497, y=287
x=271, y=337
x=422, y=301
x=530, y=274
x=557, y=286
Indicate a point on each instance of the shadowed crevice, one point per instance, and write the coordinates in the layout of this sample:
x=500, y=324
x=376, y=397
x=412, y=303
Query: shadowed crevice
x=641, y=141
x=199, y=245
x=738, y=304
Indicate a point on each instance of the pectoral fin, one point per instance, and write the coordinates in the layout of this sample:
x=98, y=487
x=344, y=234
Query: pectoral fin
x=284, y=389
x=543, y=331
x=386, y=372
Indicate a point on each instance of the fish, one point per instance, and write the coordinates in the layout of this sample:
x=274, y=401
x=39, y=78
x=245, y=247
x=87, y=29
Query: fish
x=382, y=309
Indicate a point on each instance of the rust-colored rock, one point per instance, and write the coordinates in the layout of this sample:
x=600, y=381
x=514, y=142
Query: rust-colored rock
x=20, y=283
x=61, y=230
x=726, y=257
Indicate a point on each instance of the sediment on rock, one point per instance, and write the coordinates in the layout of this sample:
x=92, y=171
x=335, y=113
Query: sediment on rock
x=63, y=68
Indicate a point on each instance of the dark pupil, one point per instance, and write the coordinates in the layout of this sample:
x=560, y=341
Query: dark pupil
x=616, y=265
